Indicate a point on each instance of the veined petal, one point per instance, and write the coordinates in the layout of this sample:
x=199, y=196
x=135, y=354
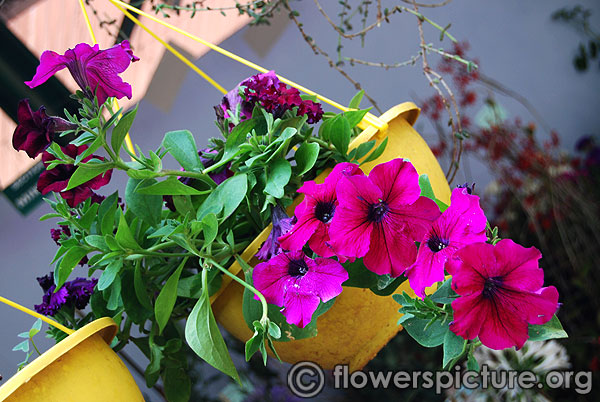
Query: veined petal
x=468, y=313
x=271, y=279
x=416, y=218
x=390, y=252
x=299, y=307
x=50, y=63
x=519, y=266
x=502, y=327
x=428, y=269
x=324, y=278
x=398, y=181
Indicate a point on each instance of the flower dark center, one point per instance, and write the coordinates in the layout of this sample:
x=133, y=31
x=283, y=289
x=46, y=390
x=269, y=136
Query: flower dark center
x=377, y=211
x=491, y=286
x=436, y=243
x=297, y=268
x=324, y=211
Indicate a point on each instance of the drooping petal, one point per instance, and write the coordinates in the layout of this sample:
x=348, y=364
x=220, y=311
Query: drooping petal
x=50, y=63
x=299, y=307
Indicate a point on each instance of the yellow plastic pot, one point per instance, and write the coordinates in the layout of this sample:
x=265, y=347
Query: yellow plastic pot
x=360, y=323
x=80, y=368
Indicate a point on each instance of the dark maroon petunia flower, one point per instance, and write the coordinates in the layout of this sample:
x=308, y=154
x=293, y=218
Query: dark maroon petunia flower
x=380, y=217
x=275, y=97
x=80, y=290
x=282, y=224
x=95, y=71
x=500, y=289
x=56, y=179
x=36, y=130
x=315, y=212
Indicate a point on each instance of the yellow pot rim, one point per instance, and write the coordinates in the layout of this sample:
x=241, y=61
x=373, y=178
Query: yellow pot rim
x=105, y=326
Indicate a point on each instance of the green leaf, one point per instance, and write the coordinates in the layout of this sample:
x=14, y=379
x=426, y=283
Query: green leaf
x=278, y=175
x=91, y=149
x=386, y=288
x=377, y=153
x=35, y=328
x=551, y=330
x=425, y=185
x=453, y=347
x=170, y=186
x=109, y=274
x=274, y=330
x=146, y=207
x=226, y=197
x=86, y=172
x=355, y=101
x=363, y=149
x=182, y=146
x=88, y=218
x=190, y=287
x=444, y=294
x=432, y=336
x=472, y=364
x=178, y=386
x=355, y=116
x=167, y=297
x=210, y=228
x=138, y=313
x=24, y=346
x=124, y=236
x=68, y=262
x=253, y=344
x=152, y=372
x=340, y=133
x=203, y=336
x=359, y=276
x=140, y=288
x=305, y=157
x=121, y=129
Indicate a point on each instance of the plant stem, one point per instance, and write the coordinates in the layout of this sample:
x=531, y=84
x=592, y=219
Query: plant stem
x=35, y=347
x=251, y=288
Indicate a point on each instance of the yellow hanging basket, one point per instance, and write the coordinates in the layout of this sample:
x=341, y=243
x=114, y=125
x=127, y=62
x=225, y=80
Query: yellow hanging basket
x=82, y=367
x=359, y=323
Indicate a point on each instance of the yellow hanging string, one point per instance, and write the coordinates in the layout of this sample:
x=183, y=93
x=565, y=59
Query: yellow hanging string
x=174, y=51
x=128, y=142
x=369, y=118
x=55, y=324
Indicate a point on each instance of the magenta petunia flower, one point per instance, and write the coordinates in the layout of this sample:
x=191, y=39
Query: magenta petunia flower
x=500, y=289
x=282, y=224
x=298, y=284
x=461, y=224
x=381, y=216
x=95, y=71
x=315, y=212
x=36, y=130
x=56, y=179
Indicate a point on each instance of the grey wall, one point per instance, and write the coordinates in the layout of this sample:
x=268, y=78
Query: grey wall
x=514, y=40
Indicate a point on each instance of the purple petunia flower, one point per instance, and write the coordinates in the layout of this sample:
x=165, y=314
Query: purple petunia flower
x=95, y=71
x=315, y=212
x=36, y=130
x=282, y=224
x=380, y=217
x=500, y=293
x=75, y=293
x=461, y=224
x=56, y=179
x=298, y=284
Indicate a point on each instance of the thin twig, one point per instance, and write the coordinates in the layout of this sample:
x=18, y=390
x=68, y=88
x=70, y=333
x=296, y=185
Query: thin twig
x=317, y=50
x=433, y=5
x=411, y=62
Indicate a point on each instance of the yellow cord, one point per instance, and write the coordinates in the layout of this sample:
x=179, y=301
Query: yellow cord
x=66, y=330
x=174, y=51
x=128, y=142
x=369, y=119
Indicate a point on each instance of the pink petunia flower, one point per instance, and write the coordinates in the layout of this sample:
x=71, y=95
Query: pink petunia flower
x=298, y=284
x=461, y=224
x=381, y=216
x=500, y=289
x=57, y=179
x=95, y=71
x=315, y=212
